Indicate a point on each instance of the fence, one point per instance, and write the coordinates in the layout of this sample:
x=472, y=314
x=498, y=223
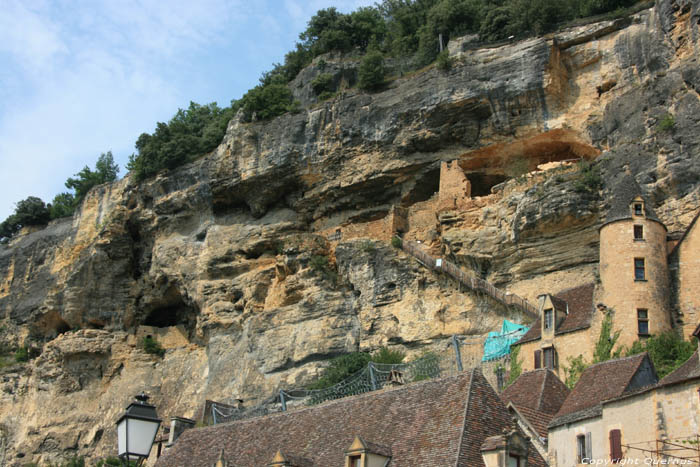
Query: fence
x=457, y=357
x=469, y=280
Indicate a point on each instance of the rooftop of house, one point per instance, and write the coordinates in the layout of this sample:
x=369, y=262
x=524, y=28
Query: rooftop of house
x=624, y=191
x=604, y=381
x=537, y=395
x=686, y=232
x=578, y=301
x=689, y=370
x=435, y=422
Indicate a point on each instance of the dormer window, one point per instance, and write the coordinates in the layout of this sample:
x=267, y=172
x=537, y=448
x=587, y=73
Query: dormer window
x=638, y=209
x=364, y=454
x=548, y=319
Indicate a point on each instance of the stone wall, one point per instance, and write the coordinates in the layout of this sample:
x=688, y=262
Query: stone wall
x=455, y=188
x=687, y=278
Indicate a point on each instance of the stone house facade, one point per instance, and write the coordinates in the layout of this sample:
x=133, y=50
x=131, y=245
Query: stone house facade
x=619, y=413
x=643, y=288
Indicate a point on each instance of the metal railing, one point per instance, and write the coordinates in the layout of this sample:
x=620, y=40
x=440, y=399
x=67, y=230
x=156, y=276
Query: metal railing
x=469, y=280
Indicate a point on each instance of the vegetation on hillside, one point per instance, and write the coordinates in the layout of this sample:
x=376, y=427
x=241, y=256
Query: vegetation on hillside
x=667, y=352
x=346, y=365
x=32, y=211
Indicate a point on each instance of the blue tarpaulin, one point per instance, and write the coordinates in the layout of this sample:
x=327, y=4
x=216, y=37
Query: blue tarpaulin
x=498, y=344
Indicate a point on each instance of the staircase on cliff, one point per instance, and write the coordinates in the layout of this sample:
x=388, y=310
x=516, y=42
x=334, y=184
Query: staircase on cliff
x=469, y=280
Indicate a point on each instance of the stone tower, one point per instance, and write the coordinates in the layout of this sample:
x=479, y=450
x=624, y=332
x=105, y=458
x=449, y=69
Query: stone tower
x=634, y=272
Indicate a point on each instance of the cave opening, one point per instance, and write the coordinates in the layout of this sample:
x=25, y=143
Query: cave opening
x=424, y=188
x=172, y=310
x=481, y=183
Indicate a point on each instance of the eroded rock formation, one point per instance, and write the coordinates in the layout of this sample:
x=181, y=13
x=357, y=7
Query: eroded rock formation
x=219, y=259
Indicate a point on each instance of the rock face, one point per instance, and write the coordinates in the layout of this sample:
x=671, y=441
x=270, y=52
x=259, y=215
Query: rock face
x=228, y=261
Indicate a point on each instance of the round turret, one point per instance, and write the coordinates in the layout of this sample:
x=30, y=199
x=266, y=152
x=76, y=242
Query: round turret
x=634, y=269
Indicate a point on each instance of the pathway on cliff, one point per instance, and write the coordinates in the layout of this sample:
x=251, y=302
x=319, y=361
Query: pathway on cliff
x=469, y=280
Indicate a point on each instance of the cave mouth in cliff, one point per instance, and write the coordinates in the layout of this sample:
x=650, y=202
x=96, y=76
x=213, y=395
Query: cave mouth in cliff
x=481, y=183
x=171, y=311
x=50, y=325
x=425, y=187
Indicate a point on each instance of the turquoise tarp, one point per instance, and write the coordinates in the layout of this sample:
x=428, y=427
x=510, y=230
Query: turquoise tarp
x=498, y=344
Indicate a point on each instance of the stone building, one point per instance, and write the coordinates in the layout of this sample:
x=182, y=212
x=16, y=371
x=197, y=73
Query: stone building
x=565, y=328
x=684, y=264
x=634, y=275
x=618, y=412
x=643, y=288
x=457, y=421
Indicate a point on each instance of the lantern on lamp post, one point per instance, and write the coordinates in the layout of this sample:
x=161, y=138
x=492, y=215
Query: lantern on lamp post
x=136, y=430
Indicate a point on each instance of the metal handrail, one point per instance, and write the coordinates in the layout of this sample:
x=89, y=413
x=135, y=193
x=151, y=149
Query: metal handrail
x=469, y=280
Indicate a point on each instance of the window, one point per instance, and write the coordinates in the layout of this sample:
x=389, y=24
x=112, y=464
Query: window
x=513, y=460
x=615, y=446
x=639, y=269
x=638, y=209
x=500, y=380
x=538, y=359
x=642, y=322
x=639, y=232
x=550, y=358
x=355, y=461
x=548, y=318
x=583, y=448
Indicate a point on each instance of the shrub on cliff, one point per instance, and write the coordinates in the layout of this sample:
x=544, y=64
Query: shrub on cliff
x=266, y=101
x=151, y=346
x=30, y=211
x=371, y=73
x=340, y=368
x=106, y=170
x=191, y=133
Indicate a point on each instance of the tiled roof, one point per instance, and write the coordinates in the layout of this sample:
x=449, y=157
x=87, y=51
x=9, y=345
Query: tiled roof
x=537, y=420
x=580, y=305
x=601, y=382
x=689, y=370
x=438, y=422
x=537, y=395
x=623, y=193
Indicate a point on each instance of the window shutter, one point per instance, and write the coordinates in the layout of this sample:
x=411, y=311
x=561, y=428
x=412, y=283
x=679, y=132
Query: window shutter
x=538, y=359
x=555, y=357
x=589, y=446
x=615, y=445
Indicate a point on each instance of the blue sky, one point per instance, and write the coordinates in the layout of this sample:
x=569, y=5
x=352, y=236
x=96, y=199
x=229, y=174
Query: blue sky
x=78, y=78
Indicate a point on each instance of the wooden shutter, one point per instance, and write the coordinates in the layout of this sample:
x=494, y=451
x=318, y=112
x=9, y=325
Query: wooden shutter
x=615, y=445
x=538, y=359
x=555, y=357
x=589, y=446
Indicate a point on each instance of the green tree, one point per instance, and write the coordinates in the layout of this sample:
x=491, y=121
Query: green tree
x=667, y=351
x=30, y=211
x=191, y=133
x=371, y=72
x=63, y=205
x=106, y=170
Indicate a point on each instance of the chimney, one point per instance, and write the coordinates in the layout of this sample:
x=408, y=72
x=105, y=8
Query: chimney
x=177, y=426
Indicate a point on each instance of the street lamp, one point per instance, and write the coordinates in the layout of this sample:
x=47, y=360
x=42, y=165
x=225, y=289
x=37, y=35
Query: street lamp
x=137, y=429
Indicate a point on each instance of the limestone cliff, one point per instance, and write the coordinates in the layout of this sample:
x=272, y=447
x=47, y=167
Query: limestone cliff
x=219, y=259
